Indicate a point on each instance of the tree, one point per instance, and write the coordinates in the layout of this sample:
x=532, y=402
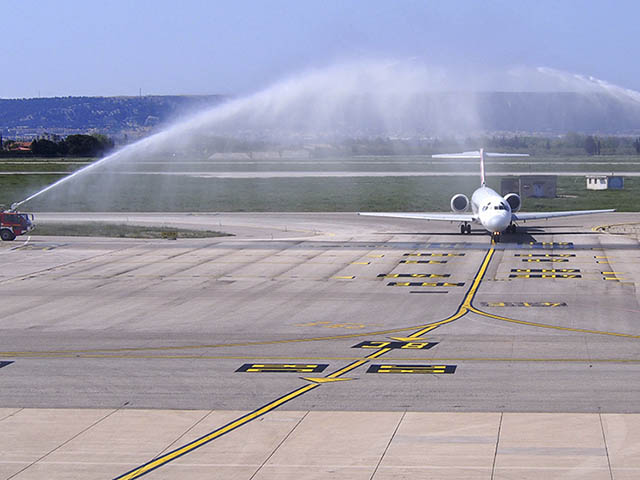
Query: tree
x=106, y=143
x=43, y=147
x=590, y=145
x=87, y=145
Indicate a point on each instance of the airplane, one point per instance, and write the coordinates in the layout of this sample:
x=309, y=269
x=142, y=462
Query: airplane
x=495, y=213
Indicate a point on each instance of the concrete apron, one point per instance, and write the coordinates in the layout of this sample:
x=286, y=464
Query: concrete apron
x=103, y=443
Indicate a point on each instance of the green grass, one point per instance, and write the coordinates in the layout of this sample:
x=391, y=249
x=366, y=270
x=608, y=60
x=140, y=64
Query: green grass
x=97, y=229
x=186, y=194
x=112, y=191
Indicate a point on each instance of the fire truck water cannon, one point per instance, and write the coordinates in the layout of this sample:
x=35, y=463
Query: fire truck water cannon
x=13, y=224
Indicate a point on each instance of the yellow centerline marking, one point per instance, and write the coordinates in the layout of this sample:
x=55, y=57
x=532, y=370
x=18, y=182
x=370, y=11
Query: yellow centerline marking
x=554, y=327
x=311, y=358
x=462, y=310
x=604, y=228
x=219, y=345
x=465, y=307
x=189, y=447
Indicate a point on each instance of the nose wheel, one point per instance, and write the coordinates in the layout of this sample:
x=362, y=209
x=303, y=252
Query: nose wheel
x=465, y=228
x=495, y=237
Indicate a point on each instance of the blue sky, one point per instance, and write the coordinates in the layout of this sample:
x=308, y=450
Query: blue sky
x=116, y=47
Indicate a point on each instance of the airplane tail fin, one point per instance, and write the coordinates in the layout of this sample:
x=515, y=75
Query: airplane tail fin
x=480, y=154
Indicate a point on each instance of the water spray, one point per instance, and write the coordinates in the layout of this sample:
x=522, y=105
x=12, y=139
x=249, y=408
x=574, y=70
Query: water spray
x=350, y=100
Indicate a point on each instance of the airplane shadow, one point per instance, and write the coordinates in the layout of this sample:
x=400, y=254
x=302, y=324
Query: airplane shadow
x=523, y=234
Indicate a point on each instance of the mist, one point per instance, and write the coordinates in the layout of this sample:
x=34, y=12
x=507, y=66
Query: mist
x=322, y=107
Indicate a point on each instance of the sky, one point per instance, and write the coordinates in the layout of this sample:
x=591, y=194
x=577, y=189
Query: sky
x=160, y=47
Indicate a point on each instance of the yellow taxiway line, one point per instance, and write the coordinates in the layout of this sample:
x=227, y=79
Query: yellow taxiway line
x=465, y=307
x=314, y=382
x=191, y=446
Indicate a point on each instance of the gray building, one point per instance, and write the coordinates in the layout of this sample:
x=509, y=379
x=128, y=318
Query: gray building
x=537, y=186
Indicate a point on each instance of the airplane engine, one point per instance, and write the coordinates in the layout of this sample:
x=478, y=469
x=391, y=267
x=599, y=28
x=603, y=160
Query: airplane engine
x=513, y=199
x=459, y=203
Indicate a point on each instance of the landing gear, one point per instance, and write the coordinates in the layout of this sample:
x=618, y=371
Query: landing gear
x=465, y=228
x=495, y=237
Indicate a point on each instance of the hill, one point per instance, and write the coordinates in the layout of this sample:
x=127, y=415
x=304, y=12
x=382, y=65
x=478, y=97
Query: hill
x=548, y=113
x=114, y=116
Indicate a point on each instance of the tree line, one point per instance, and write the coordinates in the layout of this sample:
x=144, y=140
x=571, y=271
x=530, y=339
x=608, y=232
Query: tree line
x=74, y=146
x=566, y=145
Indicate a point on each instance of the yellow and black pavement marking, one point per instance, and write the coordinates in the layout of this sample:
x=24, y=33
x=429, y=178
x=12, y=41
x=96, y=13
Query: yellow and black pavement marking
x=568, y=245
x=612, y=276
x=344, y=277
x=414, y=275
x=545, y=255
x=465, y=307
x=45, y=248
x=546, y=270
x=282, y=368
x=420, y=369
x=523, y=304
x=608, y=275
x=429, y=254
x=425, y=284
x=5, y=363
x=423, y=261
x=406, y=345
x=360, y=263
x=545, y=260
x=545, y=275
x=314, y=383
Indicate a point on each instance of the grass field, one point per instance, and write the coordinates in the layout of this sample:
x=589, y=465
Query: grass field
x=184, y=194
x=98, y=229
x=113, y=191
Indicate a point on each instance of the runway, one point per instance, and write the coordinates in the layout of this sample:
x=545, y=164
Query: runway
x=300, y=314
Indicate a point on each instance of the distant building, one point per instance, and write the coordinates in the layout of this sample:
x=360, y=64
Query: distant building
x=19, y=147
x=615, y=182
x=536, y=186
x=604, y=182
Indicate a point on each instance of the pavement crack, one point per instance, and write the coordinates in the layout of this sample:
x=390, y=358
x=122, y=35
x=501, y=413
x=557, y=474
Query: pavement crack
x=66, y=442
x=279, y=445
x=375, y=470
x=182, y=435
x=11, y=414
x=606, y=448
x=495, y=454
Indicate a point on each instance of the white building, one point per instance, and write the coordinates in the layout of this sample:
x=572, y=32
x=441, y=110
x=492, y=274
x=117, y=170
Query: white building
x=597, y=182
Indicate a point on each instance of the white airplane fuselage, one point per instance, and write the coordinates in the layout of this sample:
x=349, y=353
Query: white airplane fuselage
x=490, y=209
x=494, y=212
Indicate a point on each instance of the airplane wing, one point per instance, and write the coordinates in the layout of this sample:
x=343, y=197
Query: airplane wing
x=542, y=215
x=445, y=217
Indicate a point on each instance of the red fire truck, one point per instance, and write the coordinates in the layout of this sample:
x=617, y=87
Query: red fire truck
x=13, y=224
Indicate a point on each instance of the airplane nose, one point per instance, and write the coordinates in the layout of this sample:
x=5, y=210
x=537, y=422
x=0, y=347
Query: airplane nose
x=499, y=223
